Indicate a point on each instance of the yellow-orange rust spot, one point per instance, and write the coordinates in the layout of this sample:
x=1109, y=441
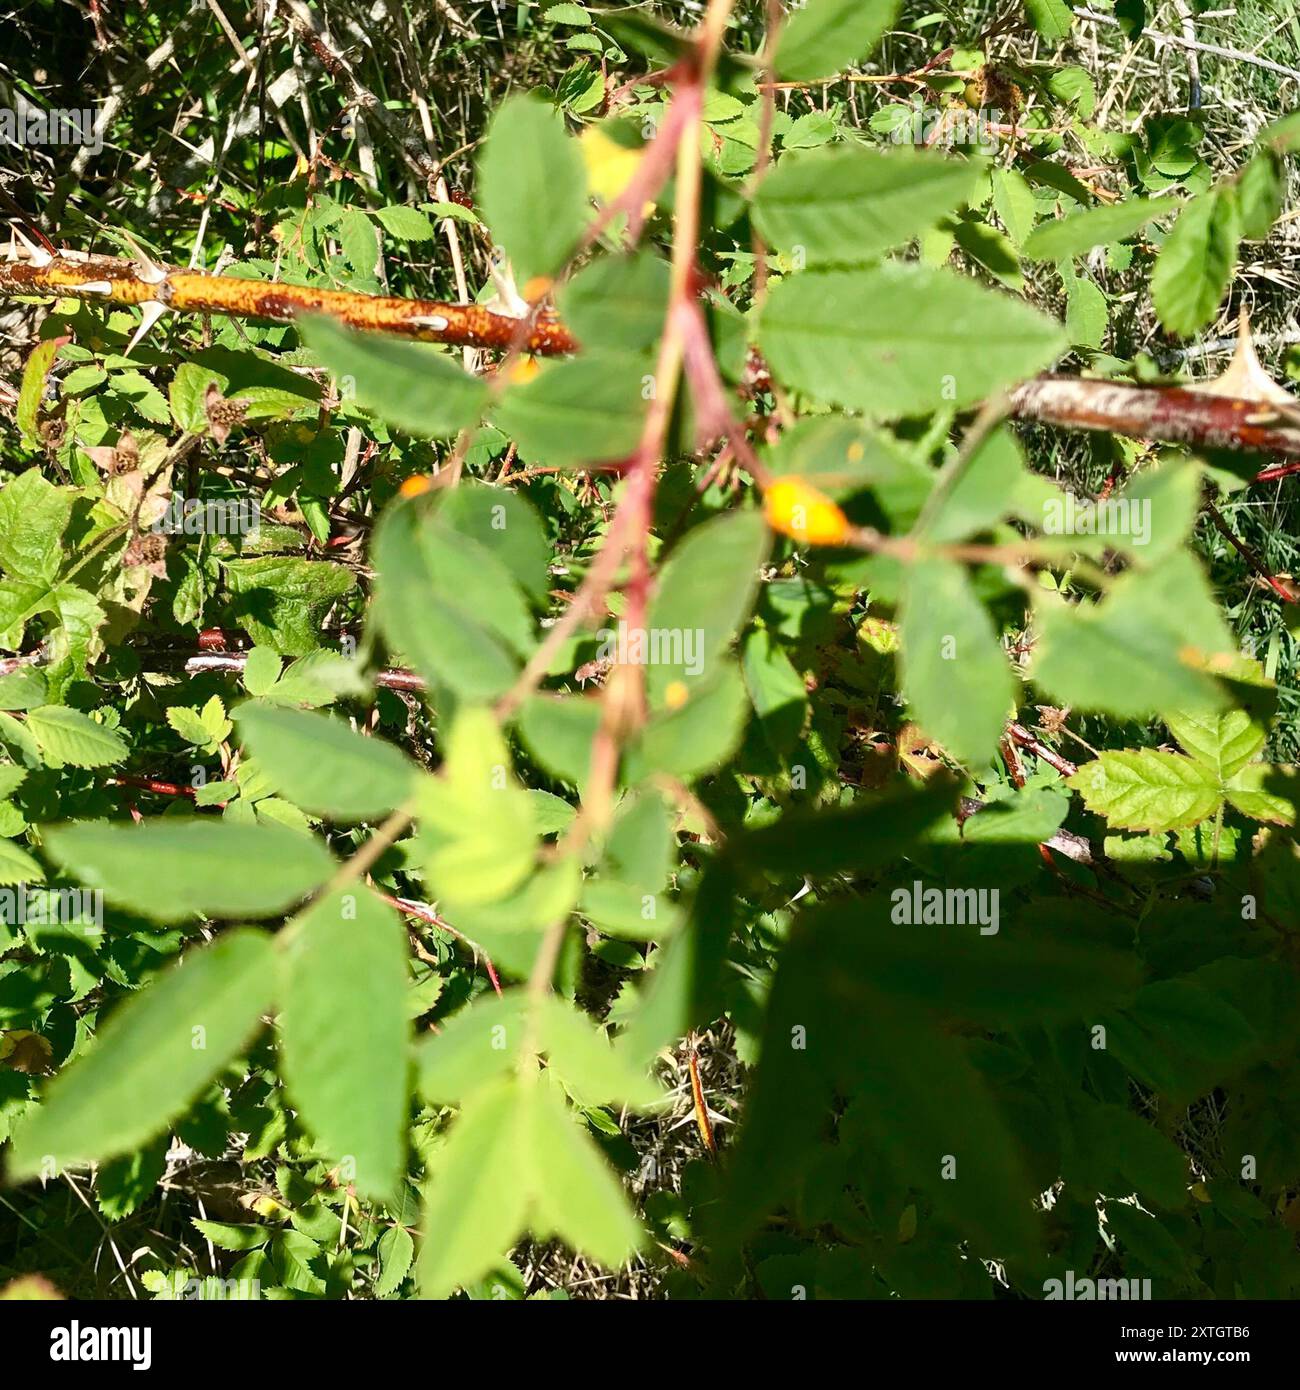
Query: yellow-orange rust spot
x=676, y=695
x=795, y=508
x=537, y=288
x=417, y=485
x=522, y=370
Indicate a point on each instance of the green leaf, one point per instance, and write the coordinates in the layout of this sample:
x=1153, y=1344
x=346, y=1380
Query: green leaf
x=69, y=737
x=1139, y=1154
x=36, y=371
x=22, y=689
x=551, y=813
x=777, y=692
x=532, y=186
x=416, y=387
x=1074, y=87
x=17, y=866
x=705, y=591
x=984, y=492
x=1224, y=742
x=479, y=1045
x=261, y=670
x=1013, y=201
x=1181, y=1037
x=589, y=1066
x=697, y=737
x=1257, y=791
x=565, y=13
x=1145, y=789
x=850, y=204
x=587, y=410
x=558, y=733
x=410, y=224
x=167, y=869
x=617, y=302
x=282, y=600
x=476, y=822
x=988, y=247
x=293, y=1256
x=1137, y=652
x=320, y=764
x=1283, y=135
x=443, y=641
x=506, y=524
x=234, y=1238
x=861, y=837
x=901, y=339
x=825, y=36
x=955, y=673
x=188, y=725
x=344, y=1035
x=478, y=1192
x=476, y=578
x=1261, y=194
x=576, y=1196
x=1052, y=18
x=929, y=1116
x=396, y=1251
x=153, y=1057
x=33, y=516
x=1196, y=262
x=1077, y=234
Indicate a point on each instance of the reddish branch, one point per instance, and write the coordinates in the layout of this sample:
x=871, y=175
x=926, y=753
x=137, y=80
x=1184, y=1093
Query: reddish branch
x=151, y=784
x=234, y=663
x=424, y=913
x=1283, y=588
x=1017, y=733
x=1166, y=414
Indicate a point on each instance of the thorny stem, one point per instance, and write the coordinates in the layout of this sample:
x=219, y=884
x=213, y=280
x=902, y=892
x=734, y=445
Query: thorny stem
x=623, y=703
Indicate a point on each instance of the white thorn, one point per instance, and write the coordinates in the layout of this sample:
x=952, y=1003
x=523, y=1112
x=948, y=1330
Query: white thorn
x=151, y=311
x=97, y=287
x=150, y=271
x=38, y=255
x=433, y=321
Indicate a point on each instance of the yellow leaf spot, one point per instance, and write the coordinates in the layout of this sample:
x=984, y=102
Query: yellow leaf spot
x=676, y=695
x=522, y=370
x=796, y=508
x=855, y=451
x=610, y=166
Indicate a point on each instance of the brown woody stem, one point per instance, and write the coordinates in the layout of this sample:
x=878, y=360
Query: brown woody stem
x=1167, y=414
x=1163, y=414
x=104, y=279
